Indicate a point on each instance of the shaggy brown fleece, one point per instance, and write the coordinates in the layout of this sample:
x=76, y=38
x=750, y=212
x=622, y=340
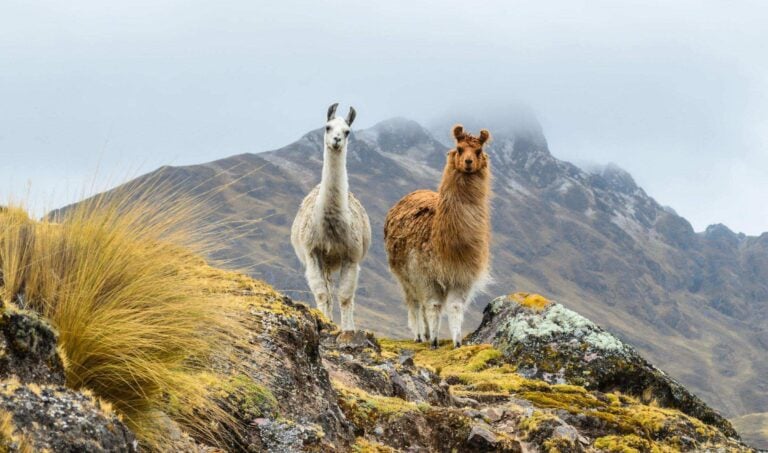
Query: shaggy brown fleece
x=439, y=241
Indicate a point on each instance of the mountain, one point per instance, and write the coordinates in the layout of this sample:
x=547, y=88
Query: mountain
x=696, y=304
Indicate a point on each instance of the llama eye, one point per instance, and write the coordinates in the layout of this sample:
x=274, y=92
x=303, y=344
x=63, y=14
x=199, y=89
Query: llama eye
x=327, y=128
x=346, y=133
x=459, y=149
x=478, y=152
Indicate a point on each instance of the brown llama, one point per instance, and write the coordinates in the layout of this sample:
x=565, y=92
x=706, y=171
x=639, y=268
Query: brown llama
x=438, y=243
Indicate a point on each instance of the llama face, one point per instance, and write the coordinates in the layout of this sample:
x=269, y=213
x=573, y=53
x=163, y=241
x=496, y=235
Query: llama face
x=469, y=155
x=336, y=134
x=337, y=129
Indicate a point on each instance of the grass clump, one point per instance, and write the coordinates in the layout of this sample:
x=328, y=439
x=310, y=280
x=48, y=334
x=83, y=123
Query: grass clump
x=10, y=438
x=119, y=279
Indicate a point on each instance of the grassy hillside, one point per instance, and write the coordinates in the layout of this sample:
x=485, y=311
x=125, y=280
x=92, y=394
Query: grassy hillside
x=753, y=429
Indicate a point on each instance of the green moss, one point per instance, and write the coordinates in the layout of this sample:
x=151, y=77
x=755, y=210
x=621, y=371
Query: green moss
x=478, y=368
x=477, y=371
x=629, y=444
x=363, y=445
x=366, y=410
x=534, y=423
x=248, y=397
x=558, y=445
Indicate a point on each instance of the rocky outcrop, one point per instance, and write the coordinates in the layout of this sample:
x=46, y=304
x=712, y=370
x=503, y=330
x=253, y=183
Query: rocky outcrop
x=28, y=348
x=550, y=342
x=534, y=377
x=37, y=412
x=537, y=377
x=57, y=419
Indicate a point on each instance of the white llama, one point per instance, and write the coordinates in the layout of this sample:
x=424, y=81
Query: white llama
x=331, y=231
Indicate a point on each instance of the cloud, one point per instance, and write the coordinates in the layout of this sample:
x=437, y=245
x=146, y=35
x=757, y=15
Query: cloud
x=673, y=92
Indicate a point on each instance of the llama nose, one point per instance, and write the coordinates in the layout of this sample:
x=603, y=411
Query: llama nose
x=467, y=161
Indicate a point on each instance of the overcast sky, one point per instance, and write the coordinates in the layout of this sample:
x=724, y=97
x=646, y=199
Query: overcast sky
x=676, y=92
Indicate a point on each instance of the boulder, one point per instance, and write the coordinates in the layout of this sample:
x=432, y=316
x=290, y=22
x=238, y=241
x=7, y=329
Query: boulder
x=547, y=341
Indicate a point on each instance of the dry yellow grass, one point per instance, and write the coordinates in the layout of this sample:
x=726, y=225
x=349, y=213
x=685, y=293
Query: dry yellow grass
x=119, y=279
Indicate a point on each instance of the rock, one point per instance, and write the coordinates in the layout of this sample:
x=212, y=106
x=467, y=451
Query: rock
x=279, y=436
x=357, y=341
x=54, y=418
x=283, y=359
x=550, y=342
x=481, y=438
x=406, y=359
x=28, y=348
x=493, y=414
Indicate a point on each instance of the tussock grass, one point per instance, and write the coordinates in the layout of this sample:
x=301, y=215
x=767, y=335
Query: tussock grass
x=120, y=279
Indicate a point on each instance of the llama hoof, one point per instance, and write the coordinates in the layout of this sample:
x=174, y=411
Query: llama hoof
x=456, y=344
x=434, y=344
x=418, y=339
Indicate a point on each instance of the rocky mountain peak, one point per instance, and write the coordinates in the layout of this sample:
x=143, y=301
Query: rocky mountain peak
x=399, y=136
x=612, y=177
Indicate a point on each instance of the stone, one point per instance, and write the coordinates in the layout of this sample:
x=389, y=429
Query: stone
x=482, y=439
x=28, y=348
x=557, y=345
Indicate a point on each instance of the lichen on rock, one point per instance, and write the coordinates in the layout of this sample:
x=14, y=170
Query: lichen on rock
x=55, y=418
x=28, y=348
x=558, y=345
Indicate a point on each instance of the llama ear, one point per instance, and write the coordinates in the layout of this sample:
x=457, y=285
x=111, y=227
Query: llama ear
x=332, y=111
x=351, y=116
x=458, y=132
x=484, y=136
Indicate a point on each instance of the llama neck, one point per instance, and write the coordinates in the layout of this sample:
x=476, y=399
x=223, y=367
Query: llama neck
x=462, y=218
x=334, y=186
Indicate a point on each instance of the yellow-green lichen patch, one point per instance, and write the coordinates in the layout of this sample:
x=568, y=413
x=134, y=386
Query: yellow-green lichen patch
x=536, y=302
x=367, y=410
x=558, y=445
x=248, y=397
x=477, y=368
x=535, y=421
x=478, y=371
x=626, y=416
x=629, y=444
x=363, y=445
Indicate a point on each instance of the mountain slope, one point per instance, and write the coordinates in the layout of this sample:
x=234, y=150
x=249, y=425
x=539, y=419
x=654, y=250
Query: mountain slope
x=695, y=303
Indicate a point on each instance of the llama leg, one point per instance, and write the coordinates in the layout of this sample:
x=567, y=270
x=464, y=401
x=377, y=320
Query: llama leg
x=421, y=314
x=319, y=285
x=432, y=311
x=455, y=311
x=347, y=288
x=413, y=320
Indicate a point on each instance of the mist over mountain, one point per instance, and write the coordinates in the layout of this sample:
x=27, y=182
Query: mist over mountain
x=695, y=303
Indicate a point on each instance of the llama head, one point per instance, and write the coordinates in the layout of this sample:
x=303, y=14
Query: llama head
x=469, y=156
x=337, y=129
